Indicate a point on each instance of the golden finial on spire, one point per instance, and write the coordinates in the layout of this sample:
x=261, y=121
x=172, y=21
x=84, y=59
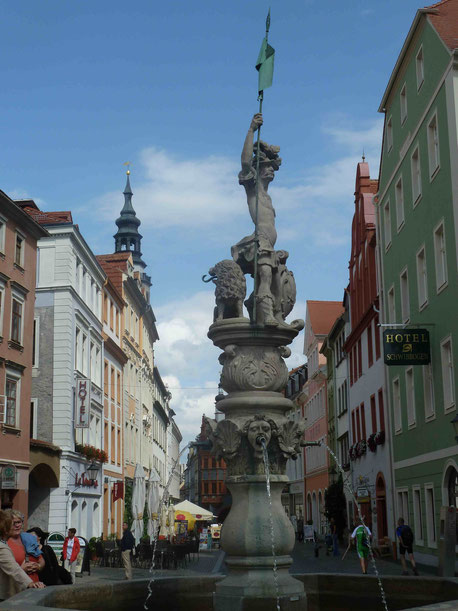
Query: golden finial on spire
x=128, y=164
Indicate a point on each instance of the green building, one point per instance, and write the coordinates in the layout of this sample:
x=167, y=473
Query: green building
x=417, y=218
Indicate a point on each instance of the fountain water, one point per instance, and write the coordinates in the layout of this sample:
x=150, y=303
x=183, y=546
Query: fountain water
x=162, y=502
x=360, y=515
x=262, y=441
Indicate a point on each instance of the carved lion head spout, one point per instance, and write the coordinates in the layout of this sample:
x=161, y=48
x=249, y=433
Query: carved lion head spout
x=258, y=428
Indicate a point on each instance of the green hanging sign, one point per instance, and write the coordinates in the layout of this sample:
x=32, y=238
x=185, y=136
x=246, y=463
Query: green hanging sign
x=406, y=347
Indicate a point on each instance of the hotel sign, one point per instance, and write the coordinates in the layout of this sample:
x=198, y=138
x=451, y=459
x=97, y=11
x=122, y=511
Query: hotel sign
x=406, y=347
x=82, y=403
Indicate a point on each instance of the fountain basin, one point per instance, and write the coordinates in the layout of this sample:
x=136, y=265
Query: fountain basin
x=325, y=592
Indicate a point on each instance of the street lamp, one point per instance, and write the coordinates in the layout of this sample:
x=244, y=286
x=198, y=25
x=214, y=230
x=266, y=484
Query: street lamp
x=455, y=426
x=92, y=471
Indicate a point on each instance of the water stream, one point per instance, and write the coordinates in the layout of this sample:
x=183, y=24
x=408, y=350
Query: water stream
x=265, y=456
x=162, y=502
x=350, y=490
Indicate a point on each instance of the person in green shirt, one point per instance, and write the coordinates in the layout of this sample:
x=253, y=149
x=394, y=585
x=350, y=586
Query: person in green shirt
x=361, y=534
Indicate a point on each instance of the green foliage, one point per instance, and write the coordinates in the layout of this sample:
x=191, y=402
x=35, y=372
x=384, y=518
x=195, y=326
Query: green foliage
x=335, y=505
x=128, y=484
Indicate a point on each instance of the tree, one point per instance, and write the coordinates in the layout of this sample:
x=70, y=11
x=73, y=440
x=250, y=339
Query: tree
x=335, y=505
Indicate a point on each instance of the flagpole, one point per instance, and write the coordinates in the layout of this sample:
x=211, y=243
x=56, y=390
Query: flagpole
x=256, y=231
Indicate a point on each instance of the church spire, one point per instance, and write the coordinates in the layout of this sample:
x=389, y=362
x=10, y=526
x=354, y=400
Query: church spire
x=127, y=238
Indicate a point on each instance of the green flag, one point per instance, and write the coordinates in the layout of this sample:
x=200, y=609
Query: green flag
x=265, y=65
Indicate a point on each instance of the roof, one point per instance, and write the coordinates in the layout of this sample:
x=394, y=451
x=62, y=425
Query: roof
x=15, y=212
x=443, y=16
x=445, y=21
x=323, y=315
x=45, y=218
x=114, y=266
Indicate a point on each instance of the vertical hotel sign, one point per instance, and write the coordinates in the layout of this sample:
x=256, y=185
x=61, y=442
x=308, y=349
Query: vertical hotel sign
x=82, y=403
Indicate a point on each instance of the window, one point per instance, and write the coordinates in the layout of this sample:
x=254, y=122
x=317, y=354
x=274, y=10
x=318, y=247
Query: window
x=410, y=397
x=391, y=306
x=78, y=349
x=373, y=414
x=399, y=195
x=84, y=355
x=389, y=134
x=105, y=378
x=448, y=374
x=397, y=406
x=12, y=401
x=405, y=300
x=19, y=250
x=16, y=321
x=420, y=68
x=403, y=504
x=416, y=175
x=440, y=257
x=428, y=391
x=381, y=409
x=2, y=234
x=35, y=341
x=433, y=146
x=2, y=301
x=363, y=421
x=430, y=515
x=403, y=104
x=33, y=418
x=422, y=278
x=387, y=224
x=417, y=516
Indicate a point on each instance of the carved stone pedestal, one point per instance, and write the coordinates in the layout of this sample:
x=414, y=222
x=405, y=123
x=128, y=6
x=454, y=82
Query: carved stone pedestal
x=254, y=374
x=246, y=538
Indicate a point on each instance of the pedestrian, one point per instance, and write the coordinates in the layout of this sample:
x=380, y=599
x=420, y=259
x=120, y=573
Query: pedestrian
x=24, y=546
x=127, y=545
x=70, y=552
x=335, y=541
x=405, y=537
x=13, y=578
x=300, y=528
x=361, y=534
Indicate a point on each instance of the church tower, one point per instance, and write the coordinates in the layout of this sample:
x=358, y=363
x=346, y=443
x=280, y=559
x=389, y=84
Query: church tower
x=127, y=238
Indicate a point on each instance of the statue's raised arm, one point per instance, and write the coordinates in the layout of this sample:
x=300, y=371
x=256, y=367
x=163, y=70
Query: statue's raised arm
x=247, y=151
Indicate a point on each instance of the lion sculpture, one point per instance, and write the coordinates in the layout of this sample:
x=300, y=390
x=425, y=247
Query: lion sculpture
x=230, y=289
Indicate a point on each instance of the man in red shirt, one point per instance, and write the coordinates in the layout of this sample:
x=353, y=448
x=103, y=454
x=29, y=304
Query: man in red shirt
x=70, y=552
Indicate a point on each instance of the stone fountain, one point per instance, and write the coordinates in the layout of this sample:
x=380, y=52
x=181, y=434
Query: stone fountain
x=257, y=535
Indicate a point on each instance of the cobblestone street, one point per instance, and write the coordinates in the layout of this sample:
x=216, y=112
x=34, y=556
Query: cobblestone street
x=303, y=561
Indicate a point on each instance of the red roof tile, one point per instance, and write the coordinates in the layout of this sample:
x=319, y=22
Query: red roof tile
x=323, y=315
x=445, y=20
x=49, y=218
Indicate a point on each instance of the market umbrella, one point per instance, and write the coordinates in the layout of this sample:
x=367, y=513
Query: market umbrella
x=164, y=531
x=199, y=513
x=153, y=503
x=138, y=502
x=171, y=520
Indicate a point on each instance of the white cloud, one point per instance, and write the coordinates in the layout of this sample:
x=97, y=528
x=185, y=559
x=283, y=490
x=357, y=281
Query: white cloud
x=190, y=405
x=193, y=194
x=190, y=194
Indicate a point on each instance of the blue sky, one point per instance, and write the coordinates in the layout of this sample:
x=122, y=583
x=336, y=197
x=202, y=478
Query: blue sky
x=171, y=87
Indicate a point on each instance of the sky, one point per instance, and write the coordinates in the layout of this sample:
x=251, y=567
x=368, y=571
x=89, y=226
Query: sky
x=171, y=87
